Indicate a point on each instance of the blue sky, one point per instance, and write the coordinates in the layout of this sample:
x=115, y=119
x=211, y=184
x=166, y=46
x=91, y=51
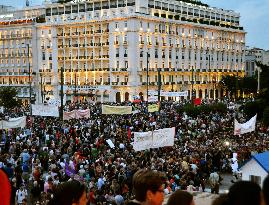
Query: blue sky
x=254, y=17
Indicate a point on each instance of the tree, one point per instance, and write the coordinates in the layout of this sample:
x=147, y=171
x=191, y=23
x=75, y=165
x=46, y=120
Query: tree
x=233, y=83
x=260, y=105
x=8, y=97
x=248, y=85
x=228, y=82
x=264, y=81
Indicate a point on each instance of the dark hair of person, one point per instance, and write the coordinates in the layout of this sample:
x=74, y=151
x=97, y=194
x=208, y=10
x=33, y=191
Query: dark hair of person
x=180, y=198
x=67, y=193
x=265, y=190
x=144, y=180
x=244, y=193
x=221, y=200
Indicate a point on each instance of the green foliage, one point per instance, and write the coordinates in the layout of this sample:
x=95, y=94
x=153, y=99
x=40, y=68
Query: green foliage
x=248, y=85
x=8, y=97
x=232, y=83
x=194, y=111
x=266, y=116
x=229, y=83
x=253, y=108
x=264, y=82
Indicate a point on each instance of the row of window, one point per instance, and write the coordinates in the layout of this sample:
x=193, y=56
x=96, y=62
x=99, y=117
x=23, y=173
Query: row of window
x=192, y=11
x=95, y=6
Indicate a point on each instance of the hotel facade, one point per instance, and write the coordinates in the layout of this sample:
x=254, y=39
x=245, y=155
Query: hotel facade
x=104, y=49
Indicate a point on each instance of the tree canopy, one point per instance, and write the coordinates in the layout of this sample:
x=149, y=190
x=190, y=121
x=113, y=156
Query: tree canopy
x=8, y=97
x=245, y=84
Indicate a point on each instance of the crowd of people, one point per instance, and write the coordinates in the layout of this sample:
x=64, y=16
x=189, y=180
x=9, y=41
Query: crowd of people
x=48, y=152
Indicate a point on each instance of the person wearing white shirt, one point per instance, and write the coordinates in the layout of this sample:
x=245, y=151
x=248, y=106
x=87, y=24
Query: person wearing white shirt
x=21, y=194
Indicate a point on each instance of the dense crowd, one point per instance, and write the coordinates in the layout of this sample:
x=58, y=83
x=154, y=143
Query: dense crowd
x=48, y=151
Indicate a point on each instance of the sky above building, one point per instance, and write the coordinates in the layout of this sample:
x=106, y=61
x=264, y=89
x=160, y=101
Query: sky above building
x=254, y=17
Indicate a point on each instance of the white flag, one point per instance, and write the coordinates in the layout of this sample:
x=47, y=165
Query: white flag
x=246, y=127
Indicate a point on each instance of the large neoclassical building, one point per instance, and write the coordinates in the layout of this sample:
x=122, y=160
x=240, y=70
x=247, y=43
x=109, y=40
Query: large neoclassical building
x=104, y=48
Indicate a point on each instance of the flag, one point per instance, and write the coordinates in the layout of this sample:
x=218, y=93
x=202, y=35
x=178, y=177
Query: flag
x=197, y=101
x=129, y=134
x=5, y=188
x=246, y=127
x=68, y=170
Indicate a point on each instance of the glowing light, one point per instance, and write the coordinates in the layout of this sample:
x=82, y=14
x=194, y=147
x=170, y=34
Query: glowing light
x=227, y=143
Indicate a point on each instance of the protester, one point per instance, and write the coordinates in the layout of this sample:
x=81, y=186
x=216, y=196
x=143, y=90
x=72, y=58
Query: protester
x=147, y=188
x=244, y=193
x=181, y=198
x=265, y=190
x=221, y=200
x=69, y=193
x=214, y=182
x=49, y=152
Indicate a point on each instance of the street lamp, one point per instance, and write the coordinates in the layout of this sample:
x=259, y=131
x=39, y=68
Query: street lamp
x=159, y=87
x=75, y=91
x=147, y=81
x=62, y=93
x=29, y=78
x=41, y=87
x=192, y=82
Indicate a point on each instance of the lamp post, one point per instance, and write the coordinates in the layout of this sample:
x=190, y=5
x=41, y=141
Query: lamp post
x=147, y=81
x=41, y=85
x=75, y=92
x=258, y=86
x=62, y=93
x=236, y=84
x=159, y=85
x=192, y=82
x=29, y=78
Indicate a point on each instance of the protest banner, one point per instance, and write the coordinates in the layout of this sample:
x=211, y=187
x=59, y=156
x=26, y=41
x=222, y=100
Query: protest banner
x=45, y=110
x=13, y=123
x=157, y=138
x=246, y=127
x=142, y=140
x=163, y=137
x=153, y=108
x=116, y=110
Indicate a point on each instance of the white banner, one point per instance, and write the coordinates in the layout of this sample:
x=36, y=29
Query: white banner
x=246, y=127
x=163, y=137
x=153, y=99
x=157, y=138
x=142, y=140
x=45, y=110
x=168, y=94
x=83, y=113
x=13, y=123
x=174, y=94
